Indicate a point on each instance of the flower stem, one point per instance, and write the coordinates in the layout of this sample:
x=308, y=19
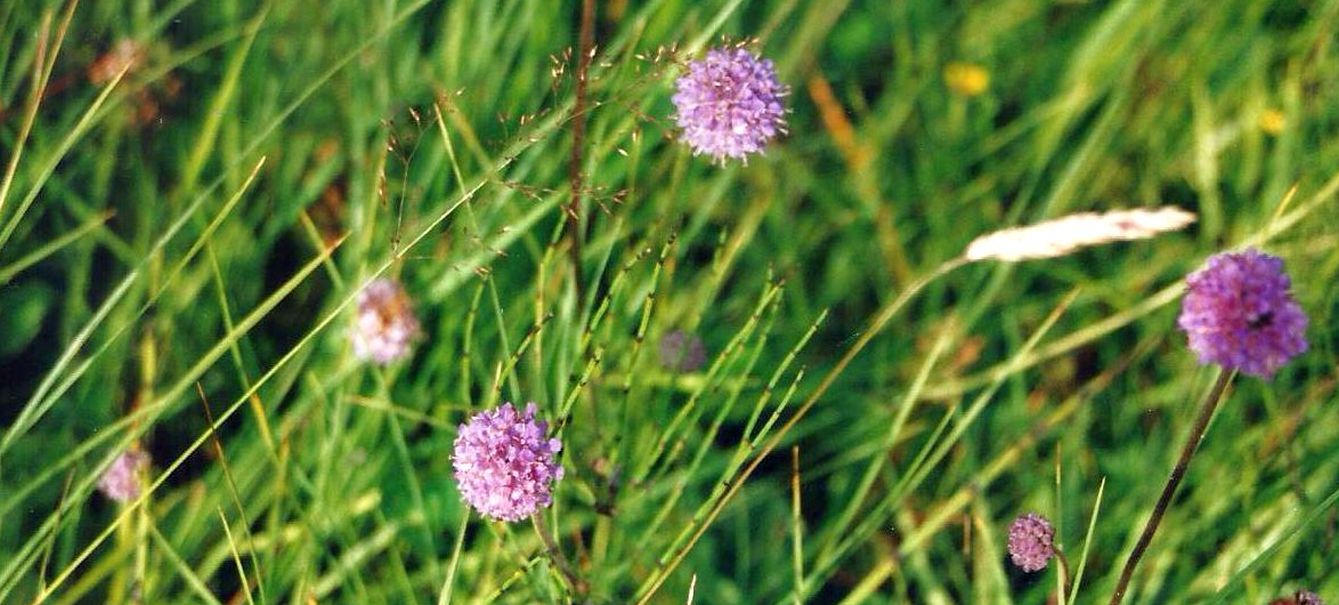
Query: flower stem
x=1065, y=576
x=556, y=555
x=1178, y=473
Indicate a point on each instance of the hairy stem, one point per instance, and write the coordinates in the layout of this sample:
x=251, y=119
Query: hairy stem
x=1169, y=490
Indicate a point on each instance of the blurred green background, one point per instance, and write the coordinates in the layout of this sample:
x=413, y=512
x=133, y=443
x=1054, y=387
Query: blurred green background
x=194, y=191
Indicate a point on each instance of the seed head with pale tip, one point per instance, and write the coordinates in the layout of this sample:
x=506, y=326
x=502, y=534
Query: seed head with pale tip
x=1070, y=233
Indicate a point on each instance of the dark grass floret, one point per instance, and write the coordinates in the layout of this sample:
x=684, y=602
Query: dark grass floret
x=1239, y=313
x=120, y=482
x=1306, y=597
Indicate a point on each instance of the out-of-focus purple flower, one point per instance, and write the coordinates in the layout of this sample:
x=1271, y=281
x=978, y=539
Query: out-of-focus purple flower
x=120, y=481
x=1306, y=597
x=386, y=327
x=682, y=352
x=1031, y=542
x=729, y=105
x=505, y=466
x=1238, y=312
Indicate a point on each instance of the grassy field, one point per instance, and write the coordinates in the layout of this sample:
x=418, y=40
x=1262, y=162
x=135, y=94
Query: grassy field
x=194, y=193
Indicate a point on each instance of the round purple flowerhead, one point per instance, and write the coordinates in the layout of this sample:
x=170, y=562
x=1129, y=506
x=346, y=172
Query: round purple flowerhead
x=505, y=465
x=1238, y=312
x=385, y=328
x=682, y=352
x=1031, y=542
x=120, y=482
x=728, y=105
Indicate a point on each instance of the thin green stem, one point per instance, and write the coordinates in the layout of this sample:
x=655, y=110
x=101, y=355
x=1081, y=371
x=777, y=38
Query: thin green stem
x=556, y=554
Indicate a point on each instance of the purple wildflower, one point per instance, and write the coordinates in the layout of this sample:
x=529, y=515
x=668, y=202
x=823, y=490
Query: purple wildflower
x=1031, y=542
x=682, y=352
x=120, y=481
x=505, y=466
x=1306, y=597
x=728, y=105
x=1238, y=312
x=385, y=327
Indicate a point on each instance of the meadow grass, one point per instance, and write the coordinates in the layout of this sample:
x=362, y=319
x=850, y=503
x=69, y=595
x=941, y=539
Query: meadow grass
x=183, y=238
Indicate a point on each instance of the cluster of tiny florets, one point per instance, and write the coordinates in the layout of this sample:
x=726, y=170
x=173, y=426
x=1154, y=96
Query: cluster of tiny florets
x=682, y=351
x=1031, y=542
x=1301, y=597
x=120, y=482
x=385, y=328
x=729, y=104
x=505, y=465
x=1239, y=313
x=1306, y=597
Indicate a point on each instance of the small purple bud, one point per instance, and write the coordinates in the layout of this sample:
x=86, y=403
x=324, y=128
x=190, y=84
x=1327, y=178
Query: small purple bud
x=1031, y=542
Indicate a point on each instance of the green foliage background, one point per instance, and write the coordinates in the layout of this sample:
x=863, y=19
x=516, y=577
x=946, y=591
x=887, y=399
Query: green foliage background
x=196, y=231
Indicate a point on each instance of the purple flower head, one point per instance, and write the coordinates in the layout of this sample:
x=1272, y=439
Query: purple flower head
x=1306, y=597
x=120, y=481
x=385, y=327
x=682, y=352
x=1238, y=312
x=505, y=466
x=728, y=105
x=1031, y=542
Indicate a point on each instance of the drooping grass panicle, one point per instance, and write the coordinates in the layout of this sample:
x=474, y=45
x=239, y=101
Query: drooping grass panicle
x=1058, y=237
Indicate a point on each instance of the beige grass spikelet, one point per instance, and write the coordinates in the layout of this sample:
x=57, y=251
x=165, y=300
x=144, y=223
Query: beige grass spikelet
x=1066, y=234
